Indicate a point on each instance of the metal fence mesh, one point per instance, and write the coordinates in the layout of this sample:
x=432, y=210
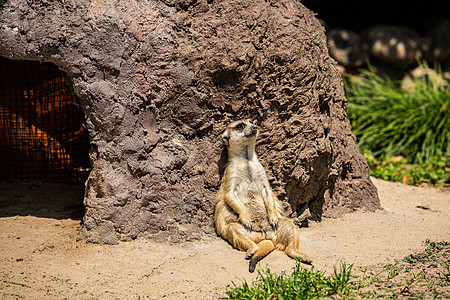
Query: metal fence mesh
x=42, y=137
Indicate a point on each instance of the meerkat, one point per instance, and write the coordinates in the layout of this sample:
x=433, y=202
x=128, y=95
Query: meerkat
x=247, y=213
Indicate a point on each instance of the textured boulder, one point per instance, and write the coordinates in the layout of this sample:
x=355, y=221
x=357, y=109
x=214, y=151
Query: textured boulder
x=393, y=45
x=159, y=80
x=346, y=48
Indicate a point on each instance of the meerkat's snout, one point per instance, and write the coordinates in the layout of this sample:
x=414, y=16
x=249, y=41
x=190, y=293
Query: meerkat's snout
x=253, y=130
x=254, y=126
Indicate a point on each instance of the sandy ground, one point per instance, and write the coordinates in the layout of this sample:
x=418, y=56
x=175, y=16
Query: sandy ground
x=40, y=258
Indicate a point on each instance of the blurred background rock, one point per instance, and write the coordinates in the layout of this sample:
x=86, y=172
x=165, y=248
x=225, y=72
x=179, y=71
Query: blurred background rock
x=389, y=36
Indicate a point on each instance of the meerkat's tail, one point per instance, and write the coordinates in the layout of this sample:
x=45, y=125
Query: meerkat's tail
x=264, y=248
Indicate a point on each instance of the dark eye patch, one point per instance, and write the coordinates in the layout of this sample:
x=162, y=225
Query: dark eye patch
x=239, y=126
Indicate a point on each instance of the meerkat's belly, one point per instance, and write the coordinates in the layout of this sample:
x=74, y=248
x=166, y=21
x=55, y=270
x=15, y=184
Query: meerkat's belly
x=252, y=195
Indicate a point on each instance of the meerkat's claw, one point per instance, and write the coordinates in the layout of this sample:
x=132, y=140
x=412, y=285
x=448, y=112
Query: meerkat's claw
x=246, y=222
x=273, y=222
x=274, y=225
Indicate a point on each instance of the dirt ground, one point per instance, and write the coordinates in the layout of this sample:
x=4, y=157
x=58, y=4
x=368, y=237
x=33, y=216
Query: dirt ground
x=41, y=259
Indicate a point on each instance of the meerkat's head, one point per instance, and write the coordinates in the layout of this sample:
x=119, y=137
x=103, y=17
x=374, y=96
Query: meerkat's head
x=240, y=134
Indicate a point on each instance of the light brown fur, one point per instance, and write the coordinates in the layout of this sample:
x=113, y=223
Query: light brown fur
x=247, y=212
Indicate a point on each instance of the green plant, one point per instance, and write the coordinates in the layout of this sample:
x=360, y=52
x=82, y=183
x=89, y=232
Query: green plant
x=416, y=276
x=390, y=121
x=301, y=284
x=399, y=169
x=439, y=252
x=340, y=279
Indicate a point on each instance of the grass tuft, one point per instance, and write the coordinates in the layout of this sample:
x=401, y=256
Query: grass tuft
x=390, y=121
x=300, y=284
x=422, y=275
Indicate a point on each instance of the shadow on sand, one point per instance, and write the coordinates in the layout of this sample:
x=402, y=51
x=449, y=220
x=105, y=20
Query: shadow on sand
x=45, y=200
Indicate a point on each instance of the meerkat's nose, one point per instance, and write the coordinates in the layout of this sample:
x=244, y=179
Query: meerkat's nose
x=254, y=127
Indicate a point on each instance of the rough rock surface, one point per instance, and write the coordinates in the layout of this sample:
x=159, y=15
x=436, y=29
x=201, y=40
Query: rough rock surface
x=159, y=80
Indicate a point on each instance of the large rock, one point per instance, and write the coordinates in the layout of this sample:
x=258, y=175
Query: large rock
x=394, y=45
x=346, y=48
x=437, y=47
x=159, y=80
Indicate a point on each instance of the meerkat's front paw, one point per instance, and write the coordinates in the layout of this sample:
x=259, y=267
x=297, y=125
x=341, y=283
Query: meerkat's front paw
x=246, y=222
x=273, y=221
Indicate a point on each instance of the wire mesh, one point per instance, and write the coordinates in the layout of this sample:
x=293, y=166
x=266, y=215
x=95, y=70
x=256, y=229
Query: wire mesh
x=42, y=137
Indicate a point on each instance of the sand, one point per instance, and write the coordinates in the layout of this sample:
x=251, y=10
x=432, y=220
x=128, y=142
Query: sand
x=41, y=259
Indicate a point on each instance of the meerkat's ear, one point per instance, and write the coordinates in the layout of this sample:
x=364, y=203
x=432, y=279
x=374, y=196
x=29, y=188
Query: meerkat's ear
x=226, y=138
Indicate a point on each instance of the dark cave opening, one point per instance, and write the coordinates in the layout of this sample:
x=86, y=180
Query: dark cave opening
x=44, y=147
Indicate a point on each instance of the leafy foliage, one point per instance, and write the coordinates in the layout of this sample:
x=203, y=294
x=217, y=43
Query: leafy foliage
x=390, y=121
x=398, y=169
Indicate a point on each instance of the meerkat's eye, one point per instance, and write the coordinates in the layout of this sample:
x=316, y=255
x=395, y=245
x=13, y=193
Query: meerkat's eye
x=239, y=126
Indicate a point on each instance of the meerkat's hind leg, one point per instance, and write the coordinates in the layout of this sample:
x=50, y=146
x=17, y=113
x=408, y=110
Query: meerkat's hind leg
x=295, y=254
x=287, y=239
x=261, y=247
x=240, y=238
x=264, y=248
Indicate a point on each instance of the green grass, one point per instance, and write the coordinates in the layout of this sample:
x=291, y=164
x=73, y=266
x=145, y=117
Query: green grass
x=421, y=275
x=390, y=121
x=432, y=252
x=300, y=284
